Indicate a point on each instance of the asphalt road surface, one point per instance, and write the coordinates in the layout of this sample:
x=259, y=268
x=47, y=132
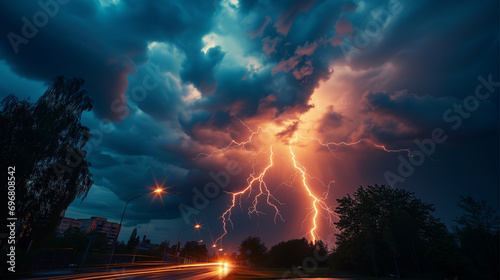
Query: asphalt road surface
x=194, y=273
x=189, y=271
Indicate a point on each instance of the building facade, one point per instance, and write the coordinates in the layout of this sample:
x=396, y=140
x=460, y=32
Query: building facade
x=67, y=223
x=94, y=224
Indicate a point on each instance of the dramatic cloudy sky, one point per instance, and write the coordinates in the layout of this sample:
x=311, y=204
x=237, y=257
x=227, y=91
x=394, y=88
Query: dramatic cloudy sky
x=178, y=84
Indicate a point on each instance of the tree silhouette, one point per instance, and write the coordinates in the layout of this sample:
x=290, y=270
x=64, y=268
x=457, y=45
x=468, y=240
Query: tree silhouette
x=44, y=142
x=293, y=252
x=478, y=234
x=134, y=240
x=386, y=231
x=253, y=250
x=195, y=250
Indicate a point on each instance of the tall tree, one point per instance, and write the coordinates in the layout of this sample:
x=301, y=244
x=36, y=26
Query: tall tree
x=44, y=142
x=478, y=234
x=192, y=249
x=134, y=240
x=253, y=250
x=385, y=231
x=295, y=251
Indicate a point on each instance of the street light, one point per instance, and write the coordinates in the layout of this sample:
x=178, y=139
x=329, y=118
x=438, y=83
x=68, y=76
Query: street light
x=158, y=190
x=179, y=236
x=221, y=252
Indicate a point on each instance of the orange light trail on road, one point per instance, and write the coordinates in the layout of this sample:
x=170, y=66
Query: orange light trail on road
x=126, y=274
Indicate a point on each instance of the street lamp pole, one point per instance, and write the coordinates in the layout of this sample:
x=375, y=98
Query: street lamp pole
x=158, y=190
x=179, y=237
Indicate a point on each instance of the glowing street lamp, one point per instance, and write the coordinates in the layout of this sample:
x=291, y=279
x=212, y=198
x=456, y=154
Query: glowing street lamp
x=221, y=252
x=197, y=226
x=157, y=191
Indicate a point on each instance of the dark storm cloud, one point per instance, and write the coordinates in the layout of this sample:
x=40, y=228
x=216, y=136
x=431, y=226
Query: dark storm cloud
x=288, y=15
x=163, y=97
x=105, y=46
x=425, y=60
x=426, y=57
x=426, y=112
x=133, y=176
x=199, y=69
x=103, y=161
x=100, y=45
x=437, y=47
x=23, y=88
x=288, y=132
x=174, y=76
x=330, y=120
x=273, y=32
x=57, y=48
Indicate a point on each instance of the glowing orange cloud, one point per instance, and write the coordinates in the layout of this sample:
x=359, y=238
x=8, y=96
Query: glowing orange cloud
x=257, y=187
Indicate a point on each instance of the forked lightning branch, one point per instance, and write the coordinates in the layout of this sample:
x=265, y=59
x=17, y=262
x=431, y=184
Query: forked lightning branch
x=258, y=188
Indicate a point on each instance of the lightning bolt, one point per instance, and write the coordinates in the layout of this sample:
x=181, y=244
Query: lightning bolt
x=316, y=202
x=263, y=190
x=336, y=145
x=256, y=181
x=234, y=143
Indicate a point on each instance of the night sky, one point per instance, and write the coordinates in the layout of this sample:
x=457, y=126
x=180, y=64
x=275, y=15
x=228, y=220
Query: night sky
x=179, y=85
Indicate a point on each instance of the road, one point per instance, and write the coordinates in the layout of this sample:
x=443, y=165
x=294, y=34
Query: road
x=188, y=271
